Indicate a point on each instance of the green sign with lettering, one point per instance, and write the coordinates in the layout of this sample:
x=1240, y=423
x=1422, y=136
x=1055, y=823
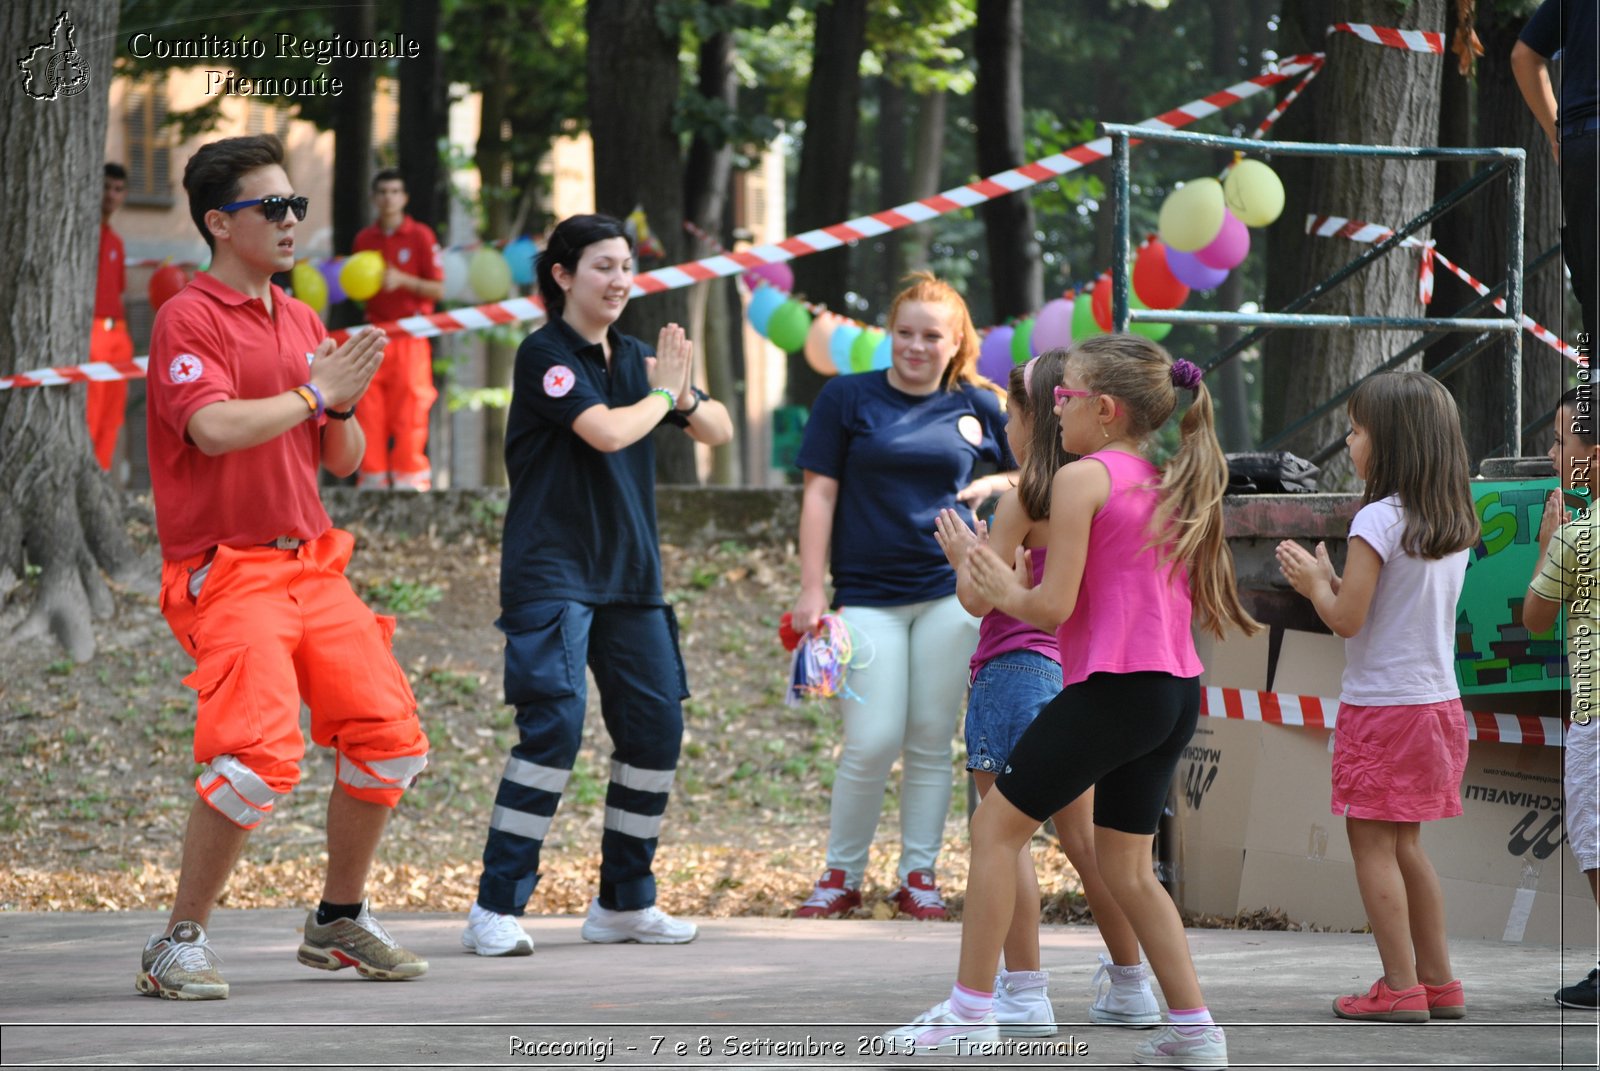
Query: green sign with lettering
x=1494, y=651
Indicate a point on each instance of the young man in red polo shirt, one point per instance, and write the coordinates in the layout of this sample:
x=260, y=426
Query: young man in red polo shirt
x=247, y=398
x=396, y=408
x=109, y=341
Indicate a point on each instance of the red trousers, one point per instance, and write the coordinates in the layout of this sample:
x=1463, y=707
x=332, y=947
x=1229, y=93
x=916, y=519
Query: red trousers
x=394, y=417
x=108, y=399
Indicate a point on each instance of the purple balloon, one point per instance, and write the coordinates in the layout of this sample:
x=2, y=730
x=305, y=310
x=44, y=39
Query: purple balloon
x=994, y=355
x=1229, y=248
x=1052, y=328
x=330, y=272
x=1187, y=269
x=777, y=275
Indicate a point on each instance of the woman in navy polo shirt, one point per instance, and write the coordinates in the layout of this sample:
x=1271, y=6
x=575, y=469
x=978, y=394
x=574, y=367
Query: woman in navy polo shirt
x=580, y=583
x=883, y=453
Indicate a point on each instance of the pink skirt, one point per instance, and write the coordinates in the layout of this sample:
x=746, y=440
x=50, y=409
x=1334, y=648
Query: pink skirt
x=1399, y=763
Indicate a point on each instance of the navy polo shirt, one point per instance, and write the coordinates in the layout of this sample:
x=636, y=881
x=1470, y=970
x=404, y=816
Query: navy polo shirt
x=581, y=523
x=899, y=459
x=1568, y=27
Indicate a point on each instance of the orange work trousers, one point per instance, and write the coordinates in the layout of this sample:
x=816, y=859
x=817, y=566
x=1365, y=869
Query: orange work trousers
x=108, y=399
x=394, y=417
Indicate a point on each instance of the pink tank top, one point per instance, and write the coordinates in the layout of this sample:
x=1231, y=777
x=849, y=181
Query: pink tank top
x=1000, y=633
x=1133, y=611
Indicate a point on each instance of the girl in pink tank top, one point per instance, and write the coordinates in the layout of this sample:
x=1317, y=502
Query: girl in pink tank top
x=1136, y=556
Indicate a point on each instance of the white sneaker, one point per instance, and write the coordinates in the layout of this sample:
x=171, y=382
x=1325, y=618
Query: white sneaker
x=489, y=933
x=1169, y=1048
x=647, y=926
x=1124, y=997
x=1022, y=1005
x=937, y=1030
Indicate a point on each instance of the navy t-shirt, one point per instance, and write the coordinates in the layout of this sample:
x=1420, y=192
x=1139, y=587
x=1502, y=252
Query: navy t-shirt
x=899, y=459
x=581, y=523
x=1569, y=27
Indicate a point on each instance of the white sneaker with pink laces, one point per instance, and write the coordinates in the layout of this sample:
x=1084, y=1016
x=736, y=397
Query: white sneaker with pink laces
x=937, y=1030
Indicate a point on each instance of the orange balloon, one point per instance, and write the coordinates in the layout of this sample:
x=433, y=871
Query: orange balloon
x=165, y=282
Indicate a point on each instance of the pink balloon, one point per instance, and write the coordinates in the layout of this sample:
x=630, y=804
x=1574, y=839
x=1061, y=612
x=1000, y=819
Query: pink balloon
x=1052, y=328
x=778, y=275
x=1229, y=248
x=994, y=355
x=1187, y=269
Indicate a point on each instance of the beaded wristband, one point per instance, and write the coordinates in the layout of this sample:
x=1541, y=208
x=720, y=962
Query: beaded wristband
x=672, y=399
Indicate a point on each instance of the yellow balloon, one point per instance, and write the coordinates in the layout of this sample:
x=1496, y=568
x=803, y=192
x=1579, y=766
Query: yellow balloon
x=1191, y=216
x=309, y=285
x=488, y=274
x=1254, y=193
x=362, y=275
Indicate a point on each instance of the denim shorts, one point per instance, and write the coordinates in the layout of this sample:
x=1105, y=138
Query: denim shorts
x=1007, y=694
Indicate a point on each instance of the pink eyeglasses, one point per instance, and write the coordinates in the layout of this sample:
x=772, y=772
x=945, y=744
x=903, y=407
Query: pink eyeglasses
x=1063, y=393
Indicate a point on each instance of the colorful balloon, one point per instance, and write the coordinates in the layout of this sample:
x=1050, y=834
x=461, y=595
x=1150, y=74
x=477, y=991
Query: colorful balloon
x=1229, y=248
x=1153, y=281
x=994, y=354
x=1187, y=269
x=840, y=345
x=1021, y=343
x=883, y=356
x=818, y=344
x=1192, y=214
x=165, y=282
x=788, y=326
x=763, y=303
x=309, y=285
x=330, y=278
x=777, y=274
x=488, y=274
x=862, y=350
x=456, y=287
x=362, y=275
x=1083, y=321
x=1254, y=193
x=520, y=254
x=1052, y=328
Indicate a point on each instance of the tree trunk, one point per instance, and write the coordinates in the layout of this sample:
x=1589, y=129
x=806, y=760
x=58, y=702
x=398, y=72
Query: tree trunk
x=58, y=511
x=927, y=155
x=1015, y=271
x=352, y=142
x=633, y=86
x=707, y=176
x=1377, y=96
x=494, y=168
x=822, y=193
x=894, y=184
x=1233, y=400
x=424, y=119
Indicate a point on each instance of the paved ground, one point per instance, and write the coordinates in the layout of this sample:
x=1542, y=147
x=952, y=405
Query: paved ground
x=750, y=993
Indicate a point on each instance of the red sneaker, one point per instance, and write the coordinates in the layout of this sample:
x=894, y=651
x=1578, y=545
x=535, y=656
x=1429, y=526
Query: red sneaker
x=1446, y=1001
x=919, y=897
x=1385, y=1005
x=830, y=898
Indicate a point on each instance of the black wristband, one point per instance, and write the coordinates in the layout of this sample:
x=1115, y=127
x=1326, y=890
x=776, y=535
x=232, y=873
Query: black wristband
x=680, y=417
x=340, y=414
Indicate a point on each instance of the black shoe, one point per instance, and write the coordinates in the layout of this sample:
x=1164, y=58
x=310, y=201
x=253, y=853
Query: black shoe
x=1586, y=994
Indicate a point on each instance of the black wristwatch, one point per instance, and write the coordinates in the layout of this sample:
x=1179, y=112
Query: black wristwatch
x=340, y=414
x=680, y=417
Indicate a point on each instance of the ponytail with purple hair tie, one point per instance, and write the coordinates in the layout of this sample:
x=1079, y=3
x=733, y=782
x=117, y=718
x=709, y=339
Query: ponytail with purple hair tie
x=1186, y=374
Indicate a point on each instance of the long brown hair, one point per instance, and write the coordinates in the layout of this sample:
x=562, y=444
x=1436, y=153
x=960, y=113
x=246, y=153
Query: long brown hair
x=1418, y=454
x=1187, y=525
x=1031, y=390
x=963, y=368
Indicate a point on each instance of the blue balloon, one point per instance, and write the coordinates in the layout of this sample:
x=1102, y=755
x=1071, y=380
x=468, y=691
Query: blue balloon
x=763, y=303
x=520, y=254
x=844, y=336
x=883, y=356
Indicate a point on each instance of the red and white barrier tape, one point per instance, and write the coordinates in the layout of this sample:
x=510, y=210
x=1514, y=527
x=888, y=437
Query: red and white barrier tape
x=1407, y=40
x=1372, y=233
x=1275, y=708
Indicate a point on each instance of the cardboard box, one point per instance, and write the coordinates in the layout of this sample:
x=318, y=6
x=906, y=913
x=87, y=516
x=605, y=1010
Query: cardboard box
x=1212, y=795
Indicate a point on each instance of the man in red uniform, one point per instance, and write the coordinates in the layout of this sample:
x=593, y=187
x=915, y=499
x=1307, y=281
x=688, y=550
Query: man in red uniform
x=110, y=341
x=247, y=398
x=396, y=408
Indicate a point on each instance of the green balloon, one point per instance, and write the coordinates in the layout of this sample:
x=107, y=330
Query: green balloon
x=862, y=349
x=1153, y=332
x=1083, y=325
x=788, y=326
x=1020, y=353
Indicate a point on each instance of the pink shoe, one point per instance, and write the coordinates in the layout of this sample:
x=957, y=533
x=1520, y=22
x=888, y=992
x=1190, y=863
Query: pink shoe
x=1385, y=1005
x=1446, y=1001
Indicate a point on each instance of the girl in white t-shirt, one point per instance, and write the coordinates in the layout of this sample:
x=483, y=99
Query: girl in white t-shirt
x=1400, y=742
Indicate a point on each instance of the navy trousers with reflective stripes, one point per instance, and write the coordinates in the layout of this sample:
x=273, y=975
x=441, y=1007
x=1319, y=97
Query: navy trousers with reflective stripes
x=633, y=653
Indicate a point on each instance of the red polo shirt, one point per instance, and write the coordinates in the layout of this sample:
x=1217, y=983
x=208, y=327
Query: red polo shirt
x=112, y=278
x=414, y=250
x=211, y=344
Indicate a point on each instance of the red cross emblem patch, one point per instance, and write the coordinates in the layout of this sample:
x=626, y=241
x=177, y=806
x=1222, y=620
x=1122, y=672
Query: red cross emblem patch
x=559, y=380
x=185, y=368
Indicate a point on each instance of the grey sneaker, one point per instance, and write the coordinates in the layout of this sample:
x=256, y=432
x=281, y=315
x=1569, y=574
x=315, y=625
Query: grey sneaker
x=1022, y=1005
x=1124, y=997
x=360, y=943
x=181, y=966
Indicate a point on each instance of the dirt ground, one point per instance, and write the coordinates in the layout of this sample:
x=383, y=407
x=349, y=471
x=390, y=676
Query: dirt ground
x=99, y=762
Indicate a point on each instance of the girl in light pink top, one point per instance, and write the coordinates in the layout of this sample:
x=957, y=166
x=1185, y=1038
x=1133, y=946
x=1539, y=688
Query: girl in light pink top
x=1135, y=556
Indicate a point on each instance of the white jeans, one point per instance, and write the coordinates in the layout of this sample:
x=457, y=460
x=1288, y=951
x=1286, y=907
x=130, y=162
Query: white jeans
x=912, y=692
x=1582, y=772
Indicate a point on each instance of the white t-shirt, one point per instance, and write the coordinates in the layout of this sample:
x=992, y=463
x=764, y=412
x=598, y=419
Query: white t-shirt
x=1405, y=653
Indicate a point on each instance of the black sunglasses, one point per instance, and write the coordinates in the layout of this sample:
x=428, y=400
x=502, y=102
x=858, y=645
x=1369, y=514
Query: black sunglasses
x=272, y=207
